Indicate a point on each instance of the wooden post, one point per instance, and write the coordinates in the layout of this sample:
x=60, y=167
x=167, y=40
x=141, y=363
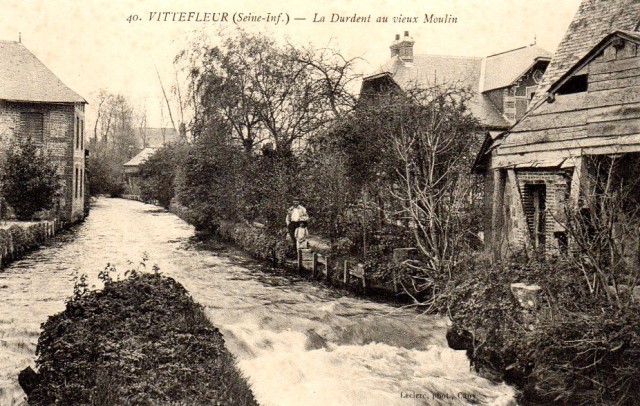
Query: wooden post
x=326, y=273
x=326, y=265
x=395, y=281
x=299, y=260
x=314, y=267
x=346, y=276
x=497, y=202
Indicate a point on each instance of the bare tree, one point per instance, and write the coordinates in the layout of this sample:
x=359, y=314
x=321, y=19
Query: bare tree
x=267, y=92
x=602, y=226
x=430, y=135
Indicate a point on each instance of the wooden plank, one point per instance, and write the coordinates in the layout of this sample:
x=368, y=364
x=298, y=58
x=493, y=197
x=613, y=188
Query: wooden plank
x=589, y=141
x=585, y=100
x=533, y=158
x=598, y=77
x=564, y=102
x=615, y=83
x=612, y=113
x=614, y=66
x=612, y=97
x=556, y=120
x=614, y=127
x=612, y=149
x=546, y=135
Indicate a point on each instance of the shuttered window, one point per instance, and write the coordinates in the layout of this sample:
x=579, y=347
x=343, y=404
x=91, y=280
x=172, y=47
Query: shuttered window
x=32, y=126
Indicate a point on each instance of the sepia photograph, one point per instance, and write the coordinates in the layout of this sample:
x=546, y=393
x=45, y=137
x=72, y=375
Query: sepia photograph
x=371, y=203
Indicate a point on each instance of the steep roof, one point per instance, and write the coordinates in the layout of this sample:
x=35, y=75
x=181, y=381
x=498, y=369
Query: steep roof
x=593, y=21
x=463, y=72
x=503, y=69
x=602, y=118
x=24, y=78
x=141, y=157
x=474, y=73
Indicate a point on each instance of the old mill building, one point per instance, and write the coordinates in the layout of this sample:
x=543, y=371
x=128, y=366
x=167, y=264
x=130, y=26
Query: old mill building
x=586, y=112
x=35, y=103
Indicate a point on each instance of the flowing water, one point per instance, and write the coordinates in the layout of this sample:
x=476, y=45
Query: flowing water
x=297, y=342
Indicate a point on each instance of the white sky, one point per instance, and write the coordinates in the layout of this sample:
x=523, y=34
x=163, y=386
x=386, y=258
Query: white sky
x=90, y=45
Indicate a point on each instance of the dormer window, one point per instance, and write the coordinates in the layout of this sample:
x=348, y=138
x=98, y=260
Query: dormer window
x=576, y=84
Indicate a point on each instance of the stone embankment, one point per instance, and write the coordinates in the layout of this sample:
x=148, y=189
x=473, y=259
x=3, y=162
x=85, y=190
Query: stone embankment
x=18, y=238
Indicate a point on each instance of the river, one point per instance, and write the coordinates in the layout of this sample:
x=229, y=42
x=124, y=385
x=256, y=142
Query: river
x=297, y=342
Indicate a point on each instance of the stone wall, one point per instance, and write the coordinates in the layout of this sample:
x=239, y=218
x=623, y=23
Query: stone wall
x=19, y=239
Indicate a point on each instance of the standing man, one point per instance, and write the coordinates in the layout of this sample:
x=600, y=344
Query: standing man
x=295, y=215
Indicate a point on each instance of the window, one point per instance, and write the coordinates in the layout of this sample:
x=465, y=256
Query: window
x=576, y=84
x=32, y=126
x=81, y=134
x=77, y=181
x=77, y=132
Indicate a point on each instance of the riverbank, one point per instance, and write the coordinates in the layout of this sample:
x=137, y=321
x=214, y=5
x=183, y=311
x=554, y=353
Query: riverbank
x=260, y=245
x=142, y=340
x=20, y=237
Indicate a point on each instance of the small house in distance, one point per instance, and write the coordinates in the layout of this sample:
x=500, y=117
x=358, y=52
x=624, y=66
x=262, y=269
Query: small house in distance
x=585, y=117
x=35, y=103
x=150, y=140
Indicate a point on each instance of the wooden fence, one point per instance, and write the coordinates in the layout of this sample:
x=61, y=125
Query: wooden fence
x=315, y=262
x=318, y=264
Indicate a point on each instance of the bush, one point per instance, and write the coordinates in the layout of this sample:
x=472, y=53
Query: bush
x=138, y=341
x=580, y=349
x=208, y=182
x=258, y=242
x=29, y=180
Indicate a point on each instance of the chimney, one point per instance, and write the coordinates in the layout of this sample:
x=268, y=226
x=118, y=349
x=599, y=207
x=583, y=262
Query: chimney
x=406, y=48
x=395, y=46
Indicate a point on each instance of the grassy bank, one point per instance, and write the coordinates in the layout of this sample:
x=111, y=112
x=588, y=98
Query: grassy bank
x=142, y=340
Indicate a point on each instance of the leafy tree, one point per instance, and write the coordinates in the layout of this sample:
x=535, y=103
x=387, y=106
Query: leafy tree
x=29, y=179
x=209, y=180
x=158, y=173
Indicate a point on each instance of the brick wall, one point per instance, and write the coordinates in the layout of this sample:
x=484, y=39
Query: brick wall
x=557, y=186
x=59, y=138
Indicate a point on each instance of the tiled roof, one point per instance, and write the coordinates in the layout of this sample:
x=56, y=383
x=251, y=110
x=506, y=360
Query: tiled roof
x=24, y=78
x=500, y=70
x=462, y=72
x=141, y=157
x=503, y=69
x=593, y=21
